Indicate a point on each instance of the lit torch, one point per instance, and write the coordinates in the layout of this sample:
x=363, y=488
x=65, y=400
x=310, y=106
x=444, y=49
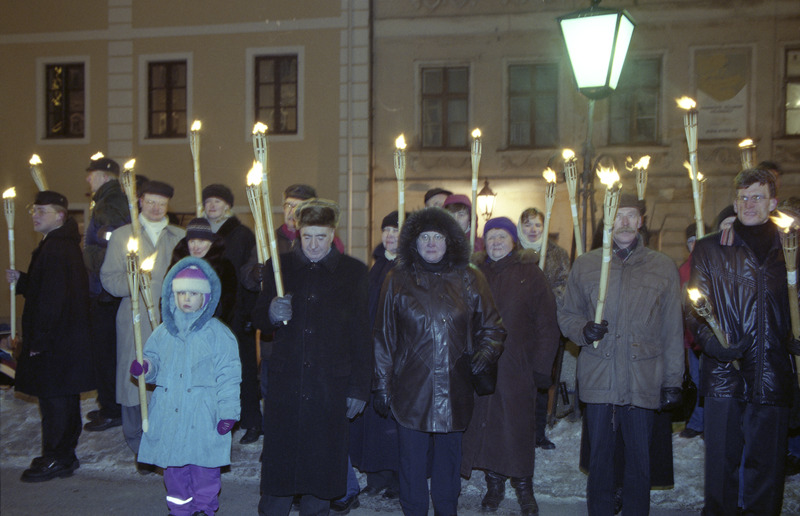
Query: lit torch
x=37, y=174
x=748, y=150
x=640, y=169
x=475, y=155
x=610, y=178
x=8, y=205
x=194, y=145
x=400, y=172
x=145, y=270
x=701, y=181
x=133, y=285
x=703, y=309
x=260, y=150
x=549, y=198
x=571, y=176
x=254, y=198
x=788, y=232
x=690, y=126
x=127, y=178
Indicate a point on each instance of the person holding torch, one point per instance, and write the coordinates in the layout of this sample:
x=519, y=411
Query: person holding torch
x=55, y=361
x=636, y=367
x=741, y=272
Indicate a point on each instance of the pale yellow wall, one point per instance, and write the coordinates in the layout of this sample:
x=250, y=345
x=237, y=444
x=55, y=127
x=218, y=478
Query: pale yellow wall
x=23, y=17
x=158, y=13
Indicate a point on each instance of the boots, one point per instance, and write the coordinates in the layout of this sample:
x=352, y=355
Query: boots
x=527, y=502
x=495, y=491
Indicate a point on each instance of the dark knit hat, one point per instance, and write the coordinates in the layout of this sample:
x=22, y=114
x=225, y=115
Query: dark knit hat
x=317, y=212
x=726, y=212
x=220, y=192
x=191, y=279
x=391, y=220
x=458, y=199
x=157, y=188
x=500, y=223
x=200, y=228
x=436, y=191
x=51, y=197
x=300, y=191
x=104, y=165
x=629, y=200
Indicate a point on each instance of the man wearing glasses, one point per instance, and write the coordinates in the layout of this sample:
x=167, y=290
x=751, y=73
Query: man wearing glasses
x=747, y=381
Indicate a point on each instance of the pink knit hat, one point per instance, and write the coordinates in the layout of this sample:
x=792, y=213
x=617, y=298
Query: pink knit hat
x=191, y=279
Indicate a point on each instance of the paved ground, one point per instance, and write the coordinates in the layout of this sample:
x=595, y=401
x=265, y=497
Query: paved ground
x=89, y=494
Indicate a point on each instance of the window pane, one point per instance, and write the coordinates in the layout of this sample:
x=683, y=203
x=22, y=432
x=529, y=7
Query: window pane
x=179, y=99
x=793, y=109
x=634, y=107
x=158, y=76
x=288, y=70
x=793, y=63
x=288, y=95
x=457, y=80
x=178, y=76
x=158, y=124
x=65, y=102
x=158, y=100
x=266, y=70
x=276, y=86
x=520, y=122
x=266, y=95
x=432, y=123
x=289, y=120
x=546, y=77
x=432, y=82
x=179, y=122
x=168, y=98
x=519, y=78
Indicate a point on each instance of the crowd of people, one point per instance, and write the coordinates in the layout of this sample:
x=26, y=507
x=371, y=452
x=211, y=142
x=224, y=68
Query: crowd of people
x=431, y=364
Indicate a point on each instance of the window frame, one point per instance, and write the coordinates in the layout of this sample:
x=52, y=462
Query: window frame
x=421, y=68
x=507, y=97
x=41, y=99
x=657, y=105
x=250, y=90
x=278, y=86
x=144, y=103
x=169, y=102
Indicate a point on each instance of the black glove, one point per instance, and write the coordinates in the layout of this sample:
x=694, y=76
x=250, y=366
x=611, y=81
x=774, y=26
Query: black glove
x=354, y=407
x=257, y=273
x=793, y=346
x=481, y=361
x=280, y=309
x=671, y=397
x=380, y=402
x=715, y=349
x=592, y=332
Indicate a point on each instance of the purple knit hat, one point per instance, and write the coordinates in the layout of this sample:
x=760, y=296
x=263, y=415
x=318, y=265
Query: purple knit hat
x=191, y=279
x=500, y=223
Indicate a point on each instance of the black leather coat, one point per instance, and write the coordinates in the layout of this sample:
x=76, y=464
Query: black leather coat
x=747, y=298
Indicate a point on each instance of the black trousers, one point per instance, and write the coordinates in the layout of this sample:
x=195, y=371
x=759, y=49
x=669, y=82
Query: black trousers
x=103, y=322
x=250, y=389
x=733, y=427
x=61, y=426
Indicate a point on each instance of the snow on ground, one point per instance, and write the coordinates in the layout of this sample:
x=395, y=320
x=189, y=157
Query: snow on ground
x=557, y=475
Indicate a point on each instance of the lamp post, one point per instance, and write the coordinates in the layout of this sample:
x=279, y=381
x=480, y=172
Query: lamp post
x=597, y=41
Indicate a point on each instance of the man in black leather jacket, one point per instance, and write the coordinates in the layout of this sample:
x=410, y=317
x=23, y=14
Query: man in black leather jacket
x=747, y=381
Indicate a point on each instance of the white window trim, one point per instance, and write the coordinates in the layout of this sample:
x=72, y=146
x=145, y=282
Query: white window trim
x=41, y=111
x=144, y=61
x=250, y=90
x=471, y=123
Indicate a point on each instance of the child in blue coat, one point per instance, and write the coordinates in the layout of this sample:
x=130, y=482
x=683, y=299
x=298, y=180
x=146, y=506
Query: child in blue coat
x=193, y=360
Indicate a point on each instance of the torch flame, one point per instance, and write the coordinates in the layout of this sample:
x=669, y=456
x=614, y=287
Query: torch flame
x=259, y=128
x=254, y=176
x=783, y=221
x=688, y=168
x=35, y=160
x=129, y=164
x=148, y=264
x=400, y=142
x=196, y=125
x=133, y=245
x=643, y=163
x=568, y=154
x=608, y=176
x=549, y=175
x=97, y=155
x=694, y=294
x=476, y=133
x=746, y=143
x=686, y=103
x=10, y=193
x=700, y=176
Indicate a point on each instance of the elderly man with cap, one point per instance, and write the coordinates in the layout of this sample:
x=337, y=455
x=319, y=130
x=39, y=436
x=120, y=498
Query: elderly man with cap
x=637, y=366
x=501, y=437
x=435, y=197
x=320, y=369
x=159, y=237
x=239, y=245
x=54, y=362
x=109, y=210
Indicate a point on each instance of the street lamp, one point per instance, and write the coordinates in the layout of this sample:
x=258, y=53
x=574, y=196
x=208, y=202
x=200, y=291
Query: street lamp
x=597, y=40
x=486, y=201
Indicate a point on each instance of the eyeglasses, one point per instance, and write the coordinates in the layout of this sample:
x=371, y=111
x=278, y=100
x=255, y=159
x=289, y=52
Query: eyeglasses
x=755, y=198
x=151, y=203
x=39, y=211
x=290, y=205
x=427, y=238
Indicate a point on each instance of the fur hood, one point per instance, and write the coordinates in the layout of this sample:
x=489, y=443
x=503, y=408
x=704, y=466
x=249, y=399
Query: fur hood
x=168, y=299
x=432, y=219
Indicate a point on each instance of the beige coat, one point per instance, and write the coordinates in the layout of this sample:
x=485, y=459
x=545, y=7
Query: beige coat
x=114, y=276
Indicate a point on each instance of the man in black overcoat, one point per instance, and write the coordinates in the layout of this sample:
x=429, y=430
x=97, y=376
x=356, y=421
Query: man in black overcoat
x=54, y=363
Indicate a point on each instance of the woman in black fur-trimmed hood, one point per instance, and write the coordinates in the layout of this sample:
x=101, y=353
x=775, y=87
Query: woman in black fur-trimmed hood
x=436, y=320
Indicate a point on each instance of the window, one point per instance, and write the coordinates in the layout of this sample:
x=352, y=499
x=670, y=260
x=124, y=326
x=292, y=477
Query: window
x=276, y=93
x=65, y=100
x=633, y=108
x=445, y=92
x=166, y=105
x=793, y=92
x=532, y=105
